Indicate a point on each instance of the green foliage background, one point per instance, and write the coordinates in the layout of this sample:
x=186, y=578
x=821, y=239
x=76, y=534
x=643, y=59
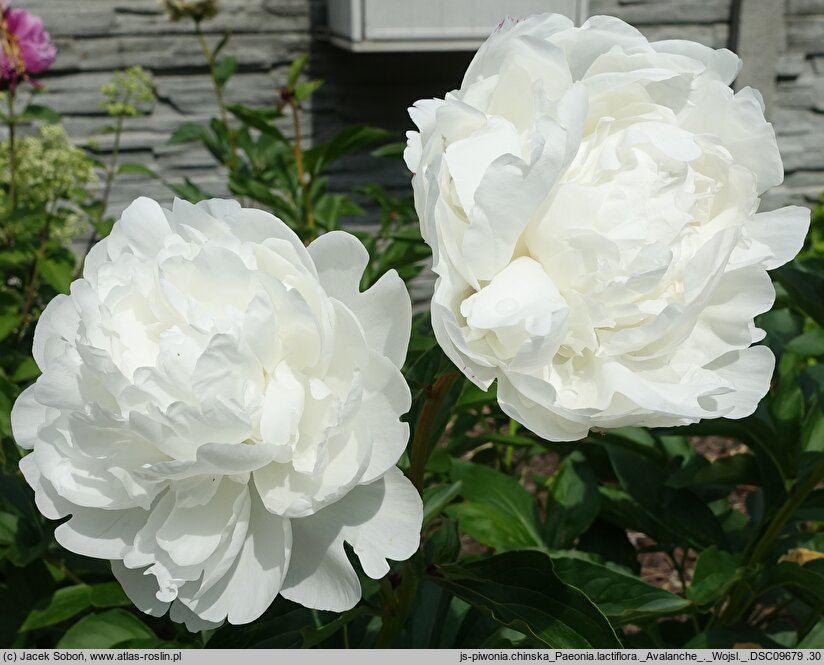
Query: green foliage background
x=705, y=536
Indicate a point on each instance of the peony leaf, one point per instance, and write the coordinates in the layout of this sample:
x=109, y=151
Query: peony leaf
x=344, y=143
x=687, y=517
x=104, y=630
x=435, y=499
x=64, y=604
x=491, y=526
x=521, y=590
x=57, y=274
x=573, y=502
x=806, y=289
x=623, y=598
x=482, y=485
x=715, y=572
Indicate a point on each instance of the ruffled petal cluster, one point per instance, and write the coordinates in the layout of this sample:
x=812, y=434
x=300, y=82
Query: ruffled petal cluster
x=219, y=412
x=591, y=201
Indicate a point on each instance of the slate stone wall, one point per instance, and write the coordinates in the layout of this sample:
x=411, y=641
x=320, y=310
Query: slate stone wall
x=97, y=36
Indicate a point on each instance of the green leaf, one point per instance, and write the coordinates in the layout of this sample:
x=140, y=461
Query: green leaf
x=805, y=288
x=225, y=69
x=739, y=469
x=394, y=150
x=42, y=113
x=8, y=324
x=133, y=167
x=483, y=485
x=573, y=502
x=221, y=44
x=189, y=132
x=346, y=142
x=26, y=370
x=259, y=119
x=808, y=578
x=522, y=591
x=306, y=89
x=104, y=630
x=809, y=344
x=109, y=594
x=64, y=604
x=814, y=639
x=679, y=511
x=57, y=274
x=623, y=598
x=296, y=69
x=715, y=572
x=71, y=601
x=724, y=638
x=435, y=499
x=8, y=529
x=491, y=526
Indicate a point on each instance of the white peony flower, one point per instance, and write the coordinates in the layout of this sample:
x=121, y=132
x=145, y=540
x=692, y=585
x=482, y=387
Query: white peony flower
x=219, y=412
x=590, y=198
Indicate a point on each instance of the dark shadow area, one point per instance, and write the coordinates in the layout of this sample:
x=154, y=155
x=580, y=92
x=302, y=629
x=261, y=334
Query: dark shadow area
x=374, y=89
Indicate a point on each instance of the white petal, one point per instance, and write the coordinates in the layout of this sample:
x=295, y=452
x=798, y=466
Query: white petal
x=782, y=231
x=142, y=229
x=381, y=521
x=102, y=534
x=748, y=373
x=28, y=415
x=254, y=580
x=384, y=310
x=723, y=63
x=141, y=588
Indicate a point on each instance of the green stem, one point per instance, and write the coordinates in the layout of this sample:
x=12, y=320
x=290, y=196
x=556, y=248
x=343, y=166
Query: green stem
x=314, y=636
x=396, y=613
x=763, y=546
x=111, y=171
x=12, y=124
x=423, y=431
x=221, y=101
x=31, y=287
x=302, y=179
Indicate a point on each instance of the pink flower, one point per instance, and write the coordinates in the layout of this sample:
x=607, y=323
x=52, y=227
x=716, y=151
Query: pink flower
x=26, y=47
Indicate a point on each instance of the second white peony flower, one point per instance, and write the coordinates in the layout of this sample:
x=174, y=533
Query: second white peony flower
x=219, y=412
x=591, y=200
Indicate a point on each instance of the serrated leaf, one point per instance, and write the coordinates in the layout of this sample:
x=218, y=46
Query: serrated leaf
x=522, y=591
